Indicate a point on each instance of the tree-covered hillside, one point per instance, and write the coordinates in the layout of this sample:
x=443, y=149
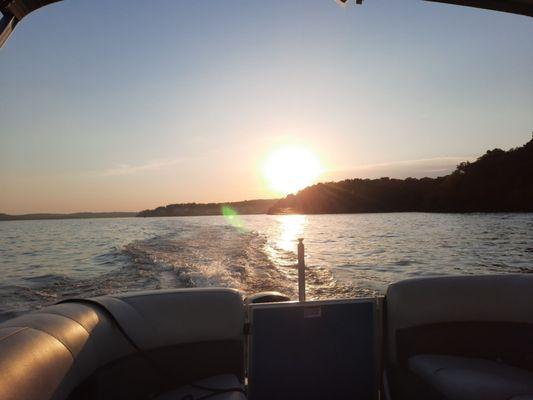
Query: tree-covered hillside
x=497, y=181
x=185, y=209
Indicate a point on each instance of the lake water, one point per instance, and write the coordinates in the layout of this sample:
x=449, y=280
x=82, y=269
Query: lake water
x=42, y=262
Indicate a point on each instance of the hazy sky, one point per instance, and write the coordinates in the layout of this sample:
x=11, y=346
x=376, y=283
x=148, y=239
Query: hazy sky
x=125, y=105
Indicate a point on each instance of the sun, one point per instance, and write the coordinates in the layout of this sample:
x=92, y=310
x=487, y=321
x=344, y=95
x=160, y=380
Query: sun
x=289, y=169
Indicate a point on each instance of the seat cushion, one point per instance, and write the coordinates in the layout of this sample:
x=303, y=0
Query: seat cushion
x=459, y=378
x=161, y=318
x=208, y=387
x=474, y=300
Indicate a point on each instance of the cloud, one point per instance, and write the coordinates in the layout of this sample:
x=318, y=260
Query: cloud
x=126, y=169
x=421, y=161
x=418, y=168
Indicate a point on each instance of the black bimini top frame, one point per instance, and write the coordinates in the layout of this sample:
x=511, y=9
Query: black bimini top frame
x=523, y=7
x=12, y=11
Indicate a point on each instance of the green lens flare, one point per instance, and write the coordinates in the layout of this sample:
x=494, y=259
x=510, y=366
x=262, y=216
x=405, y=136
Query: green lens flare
x=233, y=217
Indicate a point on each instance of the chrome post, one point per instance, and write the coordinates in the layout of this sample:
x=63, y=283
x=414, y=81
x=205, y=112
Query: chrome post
x=301, y=270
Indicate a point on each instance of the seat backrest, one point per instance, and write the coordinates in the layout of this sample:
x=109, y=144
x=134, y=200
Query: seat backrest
x=77, y=350
x=459, y=314
x=163, y=318
x=46, y=354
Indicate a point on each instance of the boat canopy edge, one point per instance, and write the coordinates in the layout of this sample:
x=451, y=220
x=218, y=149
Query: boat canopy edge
x=12, y=11
x=521, y=7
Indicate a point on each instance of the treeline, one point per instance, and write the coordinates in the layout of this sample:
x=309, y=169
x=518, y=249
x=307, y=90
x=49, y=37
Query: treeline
x=192, y=209
x=498, y=181
x=80, y=215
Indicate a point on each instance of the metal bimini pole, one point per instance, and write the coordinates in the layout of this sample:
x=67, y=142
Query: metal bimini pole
x=301, y=270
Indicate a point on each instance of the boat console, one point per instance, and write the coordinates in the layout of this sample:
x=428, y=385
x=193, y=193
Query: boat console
x=314, y=350
x=429, y=338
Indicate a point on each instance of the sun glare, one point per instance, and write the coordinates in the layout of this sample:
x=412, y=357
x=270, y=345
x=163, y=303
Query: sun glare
x=289, y=169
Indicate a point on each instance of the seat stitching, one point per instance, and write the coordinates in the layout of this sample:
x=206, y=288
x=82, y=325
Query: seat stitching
x=66, y=316
x=49, y=334
x=21, y=328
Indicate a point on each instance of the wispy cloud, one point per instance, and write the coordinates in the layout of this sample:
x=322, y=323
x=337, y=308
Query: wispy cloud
x=127, y=169
x=416, y=168
x=421, y=161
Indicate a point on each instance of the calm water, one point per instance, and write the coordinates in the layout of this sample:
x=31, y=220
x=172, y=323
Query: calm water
x=42, y=262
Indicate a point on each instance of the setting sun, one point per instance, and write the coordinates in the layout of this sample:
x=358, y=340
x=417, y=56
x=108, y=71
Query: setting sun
x=289, y=169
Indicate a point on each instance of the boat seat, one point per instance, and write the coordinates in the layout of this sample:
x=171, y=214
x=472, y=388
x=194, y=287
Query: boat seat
x=456, y=337
x=460, y=378
x=93, y=349
x=199, y=389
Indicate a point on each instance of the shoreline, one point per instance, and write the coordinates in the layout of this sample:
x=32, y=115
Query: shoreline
x=135, y=215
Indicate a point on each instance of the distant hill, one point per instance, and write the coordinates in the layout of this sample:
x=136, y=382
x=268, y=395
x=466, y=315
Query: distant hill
x=191, y=209
x=498, y=181
x=81, y=215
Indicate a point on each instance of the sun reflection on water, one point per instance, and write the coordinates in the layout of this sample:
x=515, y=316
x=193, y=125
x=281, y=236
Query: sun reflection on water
x=291, y=228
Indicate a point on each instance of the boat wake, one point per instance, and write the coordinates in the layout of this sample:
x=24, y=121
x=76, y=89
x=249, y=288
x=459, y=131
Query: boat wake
x=208, y=255
x=224, y=256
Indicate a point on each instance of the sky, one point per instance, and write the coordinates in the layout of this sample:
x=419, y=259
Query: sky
x=119, y=106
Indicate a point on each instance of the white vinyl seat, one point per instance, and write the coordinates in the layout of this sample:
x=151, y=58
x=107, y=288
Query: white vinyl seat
x=459, y=378
x=90, y=348
x=461, y=337
x=224, y=388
